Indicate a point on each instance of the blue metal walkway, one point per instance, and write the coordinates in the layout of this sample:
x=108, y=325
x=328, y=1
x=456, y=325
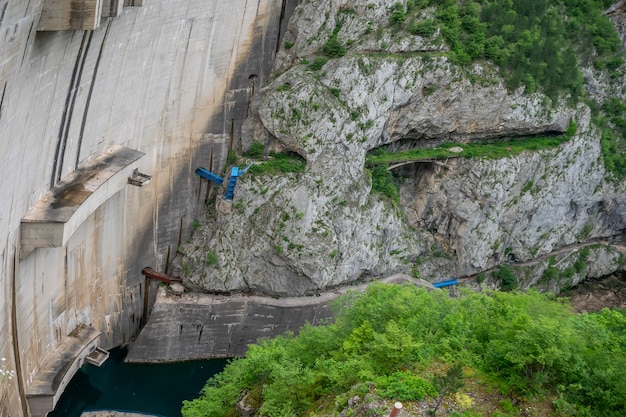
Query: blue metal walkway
x=230, y=191
x=232, y=181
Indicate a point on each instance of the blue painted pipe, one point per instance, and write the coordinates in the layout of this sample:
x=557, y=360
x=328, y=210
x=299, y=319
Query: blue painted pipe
x=445, y=283
x=209, y=176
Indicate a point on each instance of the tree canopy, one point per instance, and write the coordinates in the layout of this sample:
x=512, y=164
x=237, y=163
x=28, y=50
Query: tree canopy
x=529, y=343
x=537, y=44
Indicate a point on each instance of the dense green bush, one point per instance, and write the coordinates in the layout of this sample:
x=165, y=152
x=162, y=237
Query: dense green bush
x=536, y=43
x=612, y=121
x=384, y=183
x=425, y=28
x=528, y=343
x=333, y=48
x=404, y=386
x=256, y=150
x=398, y=13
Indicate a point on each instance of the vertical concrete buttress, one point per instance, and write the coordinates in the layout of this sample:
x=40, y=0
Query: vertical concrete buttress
x=170, y=80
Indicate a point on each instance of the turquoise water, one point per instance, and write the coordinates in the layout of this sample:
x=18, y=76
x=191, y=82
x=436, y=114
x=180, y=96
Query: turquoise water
x=142, y=388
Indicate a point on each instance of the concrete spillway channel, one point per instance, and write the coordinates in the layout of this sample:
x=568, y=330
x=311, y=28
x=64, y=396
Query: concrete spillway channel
x=104, y=118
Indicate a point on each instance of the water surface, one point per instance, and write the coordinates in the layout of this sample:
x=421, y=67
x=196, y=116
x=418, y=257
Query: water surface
x=141, y=388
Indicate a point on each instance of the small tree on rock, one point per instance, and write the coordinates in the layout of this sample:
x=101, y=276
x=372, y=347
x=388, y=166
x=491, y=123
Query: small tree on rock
x=447, y=384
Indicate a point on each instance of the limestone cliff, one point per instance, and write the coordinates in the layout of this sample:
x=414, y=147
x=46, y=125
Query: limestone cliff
x=300, y=233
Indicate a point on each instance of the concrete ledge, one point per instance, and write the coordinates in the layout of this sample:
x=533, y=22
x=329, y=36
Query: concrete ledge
x=58, y=368
x=70, y=15
x=54, y=218
x=112, y=8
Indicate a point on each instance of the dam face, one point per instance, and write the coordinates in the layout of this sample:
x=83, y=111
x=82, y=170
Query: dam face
x=155, y=89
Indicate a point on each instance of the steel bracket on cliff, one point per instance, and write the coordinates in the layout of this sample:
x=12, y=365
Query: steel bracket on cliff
x=232, y=181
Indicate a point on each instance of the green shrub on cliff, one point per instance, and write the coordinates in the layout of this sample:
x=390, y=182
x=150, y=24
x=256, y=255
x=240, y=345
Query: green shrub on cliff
x=395, y=338
x=537, y=44
x=256, y=150
x=384, y=183
x=612, y=122
x=496, y=149
x=279, y=163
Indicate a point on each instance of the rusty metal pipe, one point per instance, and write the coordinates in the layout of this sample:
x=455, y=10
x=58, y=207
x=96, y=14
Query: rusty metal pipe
x=151, y=273
x=395, y=412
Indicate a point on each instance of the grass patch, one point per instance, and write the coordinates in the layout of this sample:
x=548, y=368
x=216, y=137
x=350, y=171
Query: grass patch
x=385, y=183
x=280, y=163
x=211, y=258
x=491, y=150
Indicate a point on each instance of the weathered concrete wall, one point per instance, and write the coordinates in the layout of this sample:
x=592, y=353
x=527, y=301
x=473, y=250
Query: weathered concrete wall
x=200, y=326
x=171, y=79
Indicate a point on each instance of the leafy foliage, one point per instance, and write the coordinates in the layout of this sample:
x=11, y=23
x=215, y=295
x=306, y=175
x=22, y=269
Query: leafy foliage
x=279, y=163
x=526, y=342
x=499, y=149
x=506, y=277
x=613, y=143
x=319, y=62
x=404, y=386
x=256, y=150
x=385, y=184
x=333, y=48
x=536, y=44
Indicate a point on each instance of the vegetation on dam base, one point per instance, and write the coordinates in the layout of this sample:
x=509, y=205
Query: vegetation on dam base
x=403, y=343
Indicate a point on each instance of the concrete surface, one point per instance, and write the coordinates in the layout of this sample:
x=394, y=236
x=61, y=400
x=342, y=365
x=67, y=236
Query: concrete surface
x=57, y=215
x=171, y=79
x=58, y=368
x=200, y=326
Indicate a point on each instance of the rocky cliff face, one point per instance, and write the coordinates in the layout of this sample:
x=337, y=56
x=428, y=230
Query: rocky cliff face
x=301, y=233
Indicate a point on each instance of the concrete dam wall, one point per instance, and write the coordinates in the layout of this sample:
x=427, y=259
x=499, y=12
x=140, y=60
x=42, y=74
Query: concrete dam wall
x=139, y=89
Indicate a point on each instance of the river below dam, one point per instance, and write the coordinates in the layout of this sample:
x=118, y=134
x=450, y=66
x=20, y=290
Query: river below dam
x=141, y=388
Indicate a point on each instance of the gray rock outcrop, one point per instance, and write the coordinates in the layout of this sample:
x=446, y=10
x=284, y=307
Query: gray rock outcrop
x=300, y=233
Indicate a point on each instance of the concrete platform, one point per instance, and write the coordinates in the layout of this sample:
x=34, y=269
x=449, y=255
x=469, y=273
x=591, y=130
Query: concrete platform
x=59, y=367
x=54, y=218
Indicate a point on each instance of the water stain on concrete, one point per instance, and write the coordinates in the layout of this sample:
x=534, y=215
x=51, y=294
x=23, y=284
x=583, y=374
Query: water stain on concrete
x=70, y=196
